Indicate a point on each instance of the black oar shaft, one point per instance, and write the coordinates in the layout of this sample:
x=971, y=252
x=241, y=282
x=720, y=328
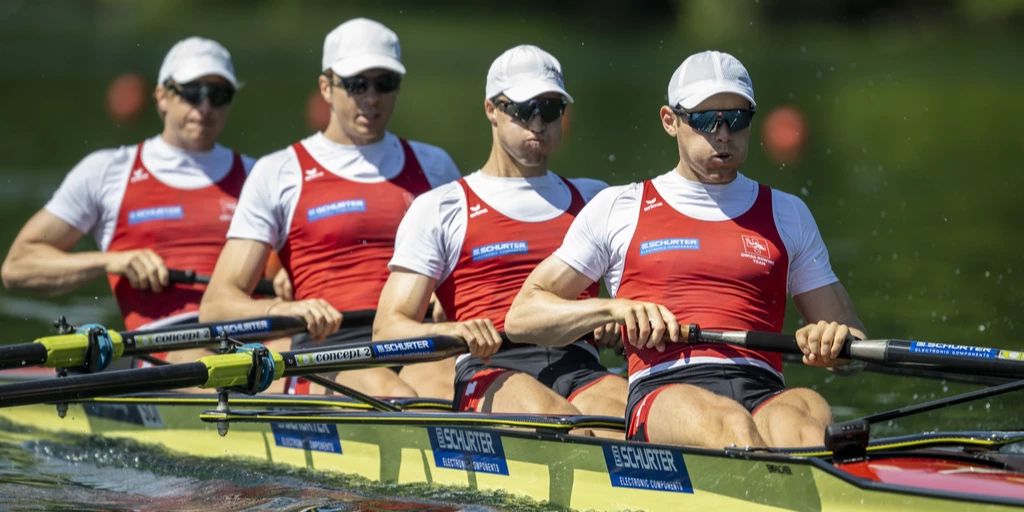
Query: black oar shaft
x=22, y=354
x=960, y=358
x=103, y=384
x=205, y=334
x=352, y=356
x=263, y=286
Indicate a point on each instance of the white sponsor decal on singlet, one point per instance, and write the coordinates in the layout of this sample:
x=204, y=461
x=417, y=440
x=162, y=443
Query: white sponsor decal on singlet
x=756, y=249
x=476, y=211
x=312, y=174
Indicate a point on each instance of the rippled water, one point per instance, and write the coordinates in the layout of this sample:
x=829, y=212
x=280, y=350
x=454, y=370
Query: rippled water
x=37, y=473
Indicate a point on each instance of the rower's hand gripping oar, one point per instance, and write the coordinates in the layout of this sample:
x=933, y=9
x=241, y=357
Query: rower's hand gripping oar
x=250, y=370
x=908, y=353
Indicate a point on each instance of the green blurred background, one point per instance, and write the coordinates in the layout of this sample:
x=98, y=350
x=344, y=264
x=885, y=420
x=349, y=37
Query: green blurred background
x=910, y=162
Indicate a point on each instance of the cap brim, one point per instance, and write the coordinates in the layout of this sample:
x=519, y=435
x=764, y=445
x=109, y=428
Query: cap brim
x=351, y=66
x=200, y=67
x=534, y=88
x=696, y=98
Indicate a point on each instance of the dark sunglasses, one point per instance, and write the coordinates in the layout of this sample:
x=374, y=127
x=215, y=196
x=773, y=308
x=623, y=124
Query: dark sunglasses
x=549, y=109
x=195, y=92
x=383, y=84
x=707, y=121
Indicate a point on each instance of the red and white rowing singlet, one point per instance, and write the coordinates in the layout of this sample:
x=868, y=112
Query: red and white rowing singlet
x=343, y=232
x=498, y=253
x=728, y=275
x=187, y=228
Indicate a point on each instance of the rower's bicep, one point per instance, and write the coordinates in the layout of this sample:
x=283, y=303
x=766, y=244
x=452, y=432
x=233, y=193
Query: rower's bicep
x=49, y=229
x=406, y=293
x=240, y=266
x=557, y=277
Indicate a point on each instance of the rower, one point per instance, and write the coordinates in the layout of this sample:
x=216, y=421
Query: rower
x=164, y=202
x=330, y=204
x=476, y=240
x=701, y=244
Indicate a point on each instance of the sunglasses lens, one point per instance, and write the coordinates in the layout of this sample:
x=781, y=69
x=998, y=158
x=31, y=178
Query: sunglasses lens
x=383, y=84
x=738, y=119
x=195, y=92
x=220, y=95
x=548, y=109
x=706, y=121
x=387, y=83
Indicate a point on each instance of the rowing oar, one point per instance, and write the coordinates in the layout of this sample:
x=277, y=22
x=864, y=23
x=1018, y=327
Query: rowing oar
x=93, y=346
x=908, y=353
x=249, y=371
x=263, y=286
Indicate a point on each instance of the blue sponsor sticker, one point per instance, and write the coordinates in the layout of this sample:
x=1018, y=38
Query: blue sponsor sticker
x=942, y=349
x=484, y=252
x=467, y=449
x=174, y=212
x=646, y=467
x=402, y=348
x=669, y=244
x=319, y=437
x=240, y=328
x=336, y=208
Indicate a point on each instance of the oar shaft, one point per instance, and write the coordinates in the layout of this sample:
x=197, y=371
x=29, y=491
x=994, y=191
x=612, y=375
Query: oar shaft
x=103, y=384
x=263, y=286
x=205, y=334
x=22, y=354
x=369, y=354
x=958, y=358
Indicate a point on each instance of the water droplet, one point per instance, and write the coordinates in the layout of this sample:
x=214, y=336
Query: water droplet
x=611, y=157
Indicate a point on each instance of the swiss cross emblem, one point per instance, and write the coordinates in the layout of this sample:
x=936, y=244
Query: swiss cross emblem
x=756, y=246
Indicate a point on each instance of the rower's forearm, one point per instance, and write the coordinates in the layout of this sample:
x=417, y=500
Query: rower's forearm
x=387, y=326
x=543, y=318
x=219, y=305
x=44, y=269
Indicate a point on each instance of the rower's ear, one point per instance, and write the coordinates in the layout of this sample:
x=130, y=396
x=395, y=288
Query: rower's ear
x=668, y=121
x=160, y=97
x=489, y=111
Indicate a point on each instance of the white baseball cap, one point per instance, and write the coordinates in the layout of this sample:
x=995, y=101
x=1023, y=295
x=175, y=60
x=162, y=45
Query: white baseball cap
x=195, y=57
x=360, y=44
x=525, y=72
x=706, y=74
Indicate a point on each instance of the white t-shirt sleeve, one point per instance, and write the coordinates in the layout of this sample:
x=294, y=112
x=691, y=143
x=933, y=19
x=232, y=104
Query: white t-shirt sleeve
x=437, y=164
x=421, y=243
x=588, y=187
x=259, y=215
x=79, y=200
x=587, y=245
x=809, y=267
x=248, y=162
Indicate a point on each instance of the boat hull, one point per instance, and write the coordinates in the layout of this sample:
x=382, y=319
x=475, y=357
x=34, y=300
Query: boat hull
x=570, y=471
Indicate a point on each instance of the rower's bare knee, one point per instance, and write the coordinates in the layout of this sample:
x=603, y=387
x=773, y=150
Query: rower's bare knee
x=520, y=393
x=606, y=397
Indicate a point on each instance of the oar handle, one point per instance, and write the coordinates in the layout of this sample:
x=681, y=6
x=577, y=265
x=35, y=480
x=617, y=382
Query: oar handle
x=784, y=343
x=22, y=354
x=76, y=387
x=263, y=286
